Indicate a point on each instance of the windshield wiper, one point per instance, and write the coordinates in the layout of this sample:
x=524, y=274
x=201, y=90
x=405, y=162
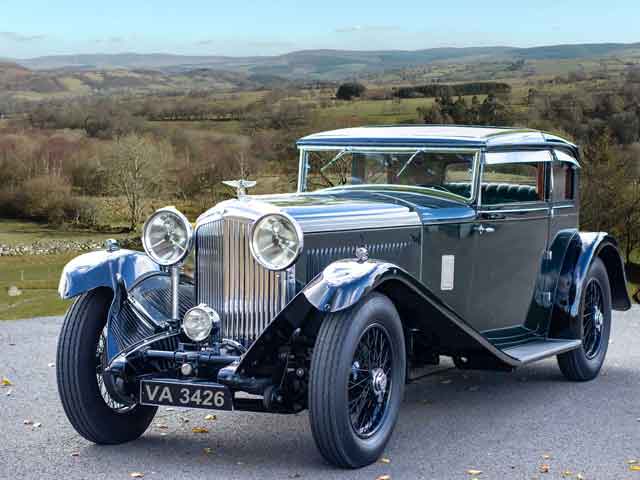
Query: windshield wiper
x=340, y=154
x=408, y=162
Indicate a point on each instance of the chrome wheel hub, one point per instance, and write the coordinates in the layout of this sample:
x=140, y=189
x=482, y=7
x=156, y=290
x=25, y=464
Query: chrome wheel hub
x=598, y=318
x=379, y=383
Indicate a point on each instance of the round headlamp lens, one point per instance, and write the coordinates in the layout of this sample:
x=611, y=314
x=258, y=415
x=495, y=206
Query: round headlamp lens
x=198, y=323
x=276, y=241
x=167, y=236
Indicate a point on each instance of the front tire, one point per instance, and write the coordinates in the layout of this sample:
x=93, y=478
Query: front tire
x=584, y=363
x=357, y=382
x=88, y=406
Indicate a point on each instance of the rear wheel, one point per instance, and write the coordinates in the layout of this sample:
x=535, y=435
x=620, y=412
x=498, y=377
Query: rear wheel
x=584, y=363
x=357, y=382
x=81, y=360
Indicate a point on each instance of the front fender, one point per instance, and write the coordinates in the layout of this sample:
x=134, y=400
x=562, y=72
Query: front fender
x=344, y=282
x=103, y=269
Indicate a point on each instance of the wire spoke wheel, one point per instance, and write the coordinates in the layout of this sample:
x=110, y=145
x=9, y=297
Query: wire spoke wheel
x=370, y=381
x=592, y=319
x=101, y=362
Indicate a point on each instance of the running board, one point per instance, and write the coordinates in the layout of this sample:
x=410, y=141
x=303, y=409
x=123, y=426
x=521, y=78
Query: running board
x=539, y=349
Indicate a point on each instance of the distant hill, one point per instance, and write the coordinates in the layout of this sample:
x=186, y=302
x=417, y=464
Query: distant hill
x=73, y=75
x=326, y=64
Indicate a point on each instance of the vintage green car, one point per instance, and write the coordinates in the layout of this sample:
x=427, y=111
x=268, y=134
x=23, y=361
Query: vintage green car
x=402, y=244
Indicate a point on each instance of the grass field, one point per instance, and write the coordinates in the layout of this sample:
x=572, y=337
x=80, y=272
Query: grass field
x=18, y=232
x=37, y=277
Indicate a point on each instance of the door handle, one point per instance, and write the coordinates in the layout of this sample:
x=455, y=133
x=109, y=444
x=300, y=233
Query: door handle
x=481, y=229
x=494, y=216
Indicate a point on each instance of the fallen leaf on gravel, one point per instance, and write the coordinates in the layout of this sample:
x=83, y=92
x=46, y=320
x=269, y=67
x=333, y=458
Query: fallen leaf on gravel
x=631, y=462
x=546, y=456
x=184, y=420
x=28, y=422
x=75, y=454
x=544, y=468
x=37, y=425
x=385, y=460
x=210, y=417
x=635, y=468
x=579, y=477
x=384, y=477
x=199, y=430
x=207, y=450
x=6, y=382
x=51, y=365
x=567, y=473
x=136, y=474
x=474, y=472
x=8, y=394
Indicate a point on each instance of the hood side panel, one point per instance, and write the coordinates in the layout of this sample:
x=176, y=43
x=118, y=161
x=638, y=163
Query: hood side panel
x=400, y=246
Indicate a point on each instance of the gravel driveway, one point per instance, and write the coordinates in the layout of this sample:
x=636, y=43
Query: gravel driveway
x=507, y=425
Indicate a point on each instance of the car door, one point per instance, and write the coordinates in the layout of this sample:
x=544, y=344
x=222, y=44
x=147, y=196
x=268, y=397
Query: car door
x=564, y=194
x=510, y=237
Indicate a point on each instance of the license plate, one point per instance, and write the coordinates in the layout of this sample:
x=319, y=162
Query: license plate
x=184, y=394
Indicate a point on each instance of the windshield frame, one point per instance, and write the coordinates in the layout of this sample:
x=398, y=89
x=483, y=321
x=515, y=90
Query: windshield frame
x=304, y=151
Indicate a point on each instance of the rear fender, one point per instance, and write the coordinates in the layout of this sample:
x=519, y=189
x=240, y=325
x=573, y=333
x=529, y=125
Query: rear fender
x=582, y=249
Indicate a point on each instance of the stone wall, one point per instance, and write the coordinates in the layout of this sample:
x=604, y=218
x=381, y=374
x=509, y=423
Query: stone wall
x=51, y=247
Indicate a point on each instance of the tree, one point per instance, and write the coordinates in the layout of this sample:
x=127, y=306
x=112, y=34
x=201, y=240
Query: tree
x=136, y=165
x=630, y=206
x=349, y=90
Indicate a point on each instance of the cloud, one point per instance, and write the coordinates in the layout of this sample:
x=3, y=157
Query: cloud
x=367, y=28
x=20, y=38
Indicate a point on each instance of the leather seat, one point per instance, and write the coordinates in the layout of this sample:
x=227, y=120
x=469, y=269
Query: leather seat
x=496, y=193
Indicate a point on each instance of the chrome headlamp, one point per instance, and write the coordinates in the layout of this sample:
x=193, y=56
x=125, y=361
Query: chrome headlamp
x=167, y=236
x=199, y=321
x=276, y=241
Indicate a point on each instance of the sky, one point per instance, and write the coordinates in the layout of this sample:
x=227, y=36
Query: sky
x=31, y=28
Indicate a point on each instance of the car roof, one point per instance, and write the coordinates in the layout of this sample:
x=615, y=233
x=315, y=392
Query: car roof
x=449, y=136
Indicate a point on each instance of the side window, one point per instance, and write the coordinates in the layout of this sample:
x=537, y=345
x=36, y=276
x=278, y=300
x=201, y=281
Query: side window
x=506, y=183
x=563, y=183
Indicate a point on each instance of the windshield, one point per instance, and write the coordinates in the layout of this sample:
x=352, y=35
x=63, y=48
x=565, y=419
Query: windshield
x=445, y=171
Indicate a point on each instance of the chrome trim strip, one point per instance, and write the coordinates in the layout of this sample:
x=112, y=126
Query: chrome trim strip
x=515, y=210
x=518, y=156
x=363, y=221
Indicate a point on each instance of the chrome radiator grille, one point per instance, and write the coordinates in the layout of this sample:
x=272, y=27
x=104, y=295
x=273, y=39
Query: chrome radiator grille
x=246, y=295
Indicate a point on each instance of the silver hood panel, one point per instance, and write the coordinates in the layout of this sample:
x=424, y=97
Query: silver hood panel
x=318, y=213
